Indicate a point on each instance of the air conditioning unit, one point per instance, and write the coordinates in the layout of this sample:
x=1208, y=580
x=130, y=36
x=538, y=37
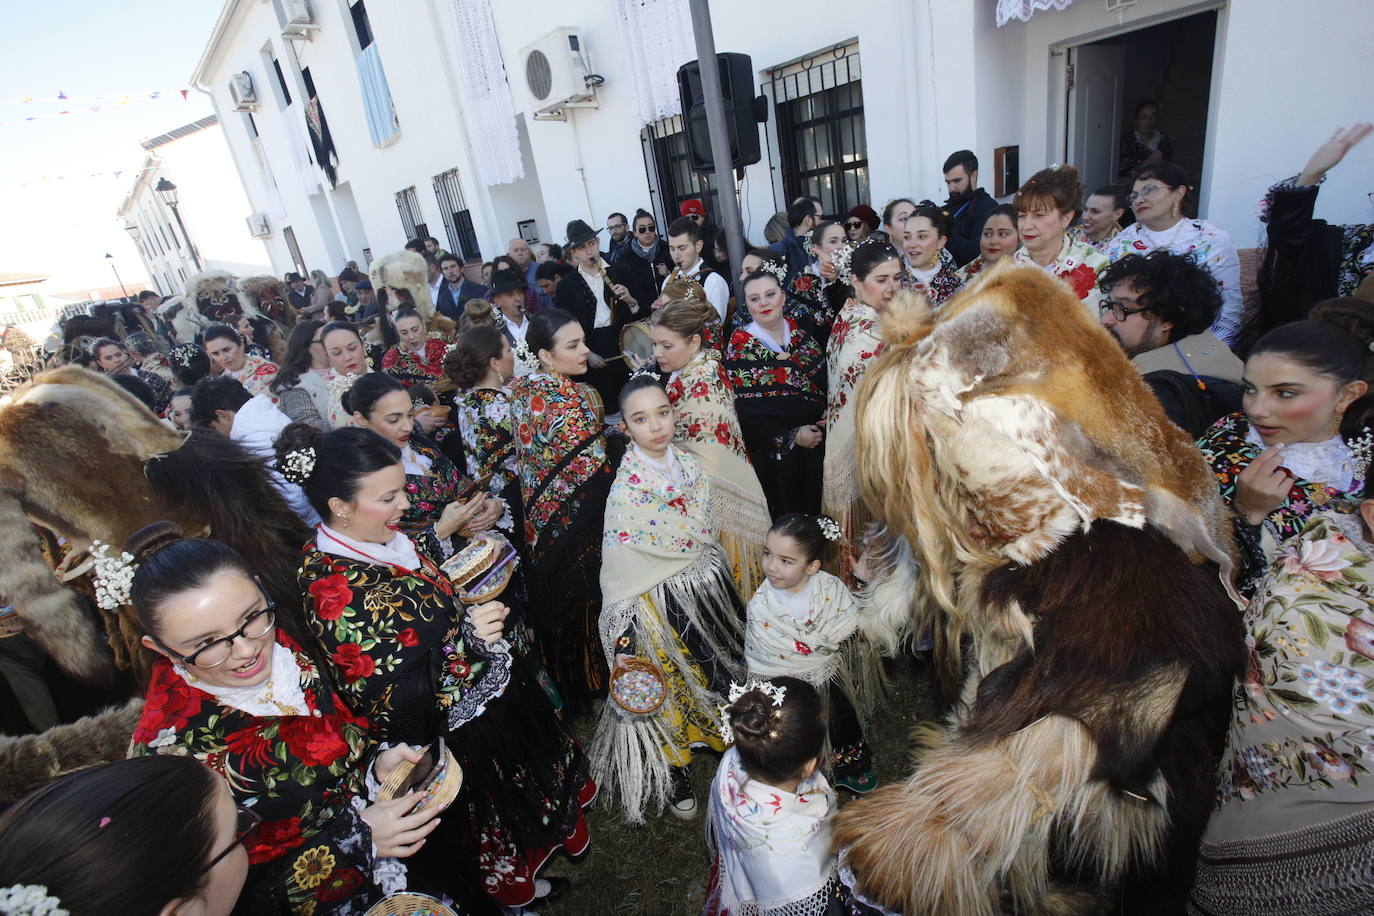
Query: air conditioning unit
x=556, y=73
x=242, y=92
x=257, y=226
x=300, y=19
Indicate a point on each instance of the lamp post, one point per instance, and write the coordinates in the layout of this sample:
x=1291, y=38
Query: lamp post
x=109, y=257
x=167, y=193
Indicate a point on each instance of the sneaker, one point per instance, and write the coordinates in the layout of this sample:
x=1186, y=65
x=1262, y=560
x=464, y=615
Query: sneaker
x=549, y=889
x=682, y=804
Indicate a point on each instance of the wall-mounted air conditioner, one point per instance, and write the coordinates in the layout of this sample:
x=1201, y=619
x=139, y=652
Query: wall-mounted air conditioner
x=242, y=92
x=556, y=73
x=300, y=19
x=257, y=226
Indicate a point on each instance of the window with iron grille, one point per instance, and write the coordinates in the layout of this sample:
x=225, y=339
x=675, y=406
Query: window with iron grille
x=409, y=207
x=822, y=145
x=671, y=175
x=462, y=236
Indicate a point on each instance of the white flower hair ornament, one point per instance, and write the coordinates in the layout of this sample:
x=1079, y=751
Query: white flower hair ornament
x=297, y=466
x=829, y=527
x=841, y=257
x=769, y=689
x=777, y=270
x=1361, y=451
x=29, y=900
x=114, y=577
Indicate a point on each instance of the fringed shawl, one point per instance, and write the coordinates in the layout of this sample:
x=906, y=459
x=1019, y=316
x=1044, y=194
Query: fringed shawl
x=854, y=343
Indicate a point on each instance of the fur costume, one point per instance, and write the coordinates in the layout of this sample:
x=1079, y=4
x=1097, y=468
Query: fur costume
x=216, y=293
x=30, y=762
x=403, y=270
x=1072, y=535
x=267, y=295
x=184, y=321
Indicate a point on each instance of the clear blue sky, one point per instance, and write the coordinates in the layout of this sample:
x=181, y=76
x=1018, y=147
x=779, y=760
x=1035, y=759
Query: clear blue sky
x=82, y=48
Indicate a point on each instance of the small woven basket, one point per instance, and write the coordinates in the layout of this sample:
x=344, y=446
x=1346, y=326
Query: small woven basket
x=639, y=687
x=408, y=904
x=441, y=794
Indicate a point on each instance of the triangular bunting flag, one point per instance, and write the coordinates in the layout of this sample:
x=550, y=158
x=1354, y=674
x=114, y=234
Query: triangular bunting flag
x=61, y=94
x=183, y=94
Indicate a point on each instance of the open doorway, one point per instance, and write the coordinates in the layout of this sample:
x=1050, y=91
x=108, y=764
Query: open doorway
x=1169, y=63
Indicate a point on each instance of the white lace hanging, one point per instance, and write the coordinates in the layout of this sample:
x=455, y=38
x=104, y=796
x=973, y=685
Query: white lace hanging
x=655, y=38
x=1007, y=10
x=490, y=111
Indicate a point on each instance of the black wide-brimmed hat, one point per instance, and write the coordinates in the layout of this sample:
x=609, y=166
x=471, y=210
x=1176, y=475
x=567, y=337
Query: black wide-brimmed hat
x=579, y=233
x=505, y=281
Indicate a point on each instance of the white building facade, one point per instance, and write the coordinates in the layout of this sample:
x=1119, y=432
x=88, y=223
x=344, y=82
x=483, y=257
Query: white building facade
x=404, y=102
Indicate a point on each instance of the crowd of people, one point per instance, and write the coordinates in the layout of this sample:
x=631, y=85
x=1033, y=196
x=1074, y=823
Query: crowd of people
x=666, y=456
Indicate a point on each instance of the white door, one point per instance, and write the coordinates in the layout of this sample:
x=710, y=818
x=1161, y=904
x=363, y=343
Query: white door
x=1095, y=124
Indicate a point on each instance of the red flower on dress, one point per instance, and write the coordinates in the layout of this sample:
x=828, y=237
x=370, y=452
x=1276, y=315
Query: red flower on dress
x=272, y=838
x=801, y=647
x=632, y=479
x=353, y=663
x=332, y=594
x=803, y=283
x=523, y=431
x=537, y=405
x=1083, y=279
x=779, y=375
x=700, y=390
x=408, y=637
x=341, y=884
x=167, y=705
x=693, y=430
x=412, y=488
x=425, y=506
x=249, y=744
x=459, y=668
x=723, y=432
x=315, y=742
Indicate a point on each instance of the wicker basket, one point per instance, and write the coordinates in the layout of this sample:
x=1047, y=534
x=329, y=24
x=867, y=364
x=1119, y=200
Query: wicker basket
x=441, y=794
x=642, y=674
x=408, y=904
x=484, y=588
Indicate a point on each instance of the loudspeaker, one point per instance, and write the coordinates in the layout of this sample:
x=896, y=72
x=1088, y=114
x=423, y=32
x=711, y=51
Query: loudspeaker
x=743, y=111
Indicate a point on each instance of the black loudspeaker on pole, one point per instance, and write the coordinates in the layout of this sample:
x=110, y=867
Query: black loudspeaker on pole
x=743, y=111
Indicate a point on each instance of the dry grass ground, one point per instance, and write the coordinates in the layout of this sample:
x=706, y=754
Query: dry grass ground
x=661, y=869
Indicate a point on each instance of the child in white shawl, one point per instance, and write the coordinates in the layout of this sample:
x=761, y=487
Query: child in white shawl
x=668, y=598
x=804, y=623
x=768, y=827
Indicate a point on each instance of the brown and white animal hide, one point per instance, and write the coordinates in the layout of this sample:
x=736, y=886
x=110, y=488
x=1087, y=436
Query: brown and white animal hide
x=186, y=322
x=1069, y=532
x=267, y=295
x=403, y=270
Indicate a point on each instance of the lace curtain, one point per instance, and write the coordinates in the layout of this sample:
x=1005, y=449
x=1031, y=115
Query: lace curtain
x=655, y=38
x=1007, y=10
x=487, y=98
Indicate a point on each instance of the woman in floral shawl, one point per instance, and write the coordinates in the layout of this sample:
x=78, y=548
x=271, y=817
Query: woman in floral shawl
x=708, y=427
x=420, y=668
x=481, y=365
x=1301, y=443
x=565, y=474
x=254, y=707
x=669, y=599
x=777, y=373
x=931, y=269
x=418, y=355
x=1045, y=205
x=348, y=362
x=1294, y=828
x=854, y=342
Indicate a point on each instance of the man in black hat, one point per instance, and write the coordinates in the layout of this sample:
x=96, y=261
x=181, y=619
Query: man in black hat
x=508, y=295
x=595, y=294
x=300, y=293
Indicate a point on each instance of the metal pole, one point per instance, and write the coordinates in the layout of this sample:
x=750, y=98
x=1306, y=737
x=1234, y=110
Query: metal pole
x=720, y=137
x=118, y=280
x=190, y=248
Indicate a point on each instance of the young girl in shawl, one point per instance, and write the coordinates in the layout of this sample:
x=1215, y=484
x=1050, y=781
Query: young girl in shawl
x=770, y=809
x=668, y=600
x=804, y=623
x=707, y=427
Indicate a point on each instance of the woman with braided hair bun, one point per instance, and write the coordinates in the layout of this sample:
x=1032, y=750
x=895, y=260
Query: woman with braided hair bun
x=769, y=819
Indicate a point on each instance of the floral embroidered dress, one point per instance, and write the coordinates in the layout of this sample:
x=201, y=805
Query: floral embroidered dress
x=565, y=474
x=707, y=426
x=938, y=284
x=301, y=770
x=1213, y=249
x=483, y=419
x=1079, y=234
x=1079, y=265
x=669, y=599
x=432, y=482
x=410, y=368
x=854, y=344
x=256, y=375
x=975, y=268
x=777, y=392
x=1294, y=828
x=1229, y=447
x=407, y=657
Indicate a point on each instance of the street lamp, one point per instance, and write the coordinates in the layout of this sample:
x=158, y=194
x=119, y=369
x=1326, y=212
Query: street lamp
x=109, y=257
x=167, y=193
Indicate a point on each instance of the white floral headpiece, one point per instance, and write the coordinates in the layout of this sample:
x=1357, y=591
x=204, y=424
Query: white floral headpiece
x=829, y=527
x=1361, y=451
x=114, y=576
x=29, y=900
x=297, y=466
x=776, y=269
x=841, y=258
x=768, y=688
x=183, y=354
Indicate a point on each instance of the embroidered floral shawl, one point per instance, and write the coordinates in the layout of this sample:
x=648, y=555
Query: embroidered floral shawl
x=484, y=422
x=854, y=343
x=256, y=375
x=1078, y=264
x=778, y=643
x=409, y=368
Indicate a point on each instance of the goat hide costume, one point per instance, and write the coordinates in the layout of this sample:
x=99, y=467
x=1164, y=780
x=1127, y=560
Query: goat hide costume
x=267, y=295
x=1073, y=537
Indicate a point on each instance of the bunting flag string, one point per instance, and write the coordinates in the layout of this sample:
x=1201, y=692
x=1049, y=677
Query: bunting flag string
x=41, y=180
x=12, y=118
x=123, y=96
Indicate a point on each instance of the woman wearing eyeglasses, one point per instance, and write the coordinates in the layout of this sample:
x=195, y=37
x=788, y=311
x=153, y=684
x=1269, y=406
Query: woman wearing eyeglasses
x=231, y=689
x=1157, y=201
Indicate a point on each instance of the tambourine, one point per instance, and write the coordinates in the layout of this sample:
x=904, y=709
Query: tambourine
x=410, y=904
x=638, y=687
x=635, y=340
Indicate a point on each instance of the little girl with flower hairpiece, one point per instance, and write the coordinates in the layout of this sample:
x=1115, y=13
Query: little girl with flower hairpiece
x=803, y=622
x=768, y=827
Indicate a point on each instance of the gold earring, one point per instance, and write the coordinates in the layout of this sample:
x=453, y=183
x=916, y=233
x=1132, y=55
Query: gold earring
x=1176, y=210
x=343, y=521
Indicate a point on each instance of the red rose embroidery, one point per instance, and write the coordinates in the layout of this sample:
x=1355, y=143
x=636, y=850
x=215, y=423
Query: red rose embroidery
x=315, y=742
x=804, y=282
x=425, y=506
x=723, y=433
x=700, y=390
x=166, y=706
x=801, y=647
x=272, y=838
x=459, y=668
x=408, y=637
x=523, y=431
x=249, y=744
x=340, y=885
x=537, y=405
x=412, y=488
x=633, y=479
x=332, y=594
x=353, y=663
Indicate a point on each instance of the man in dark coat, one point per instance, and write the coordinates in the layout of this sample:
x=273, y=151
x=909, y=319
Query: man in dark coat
x=968, y=205
x=644, y=261
x=594, y=293
x=455, y=289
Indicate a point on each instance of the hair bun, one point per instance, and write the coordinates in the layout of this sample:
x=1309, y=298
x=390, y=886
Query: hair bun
x=753, y=715
x=149, y=539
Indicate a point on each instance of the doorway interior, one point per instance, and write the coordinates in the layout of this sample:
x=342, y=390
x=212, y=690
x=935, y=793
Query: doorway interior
x=1170, y=63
